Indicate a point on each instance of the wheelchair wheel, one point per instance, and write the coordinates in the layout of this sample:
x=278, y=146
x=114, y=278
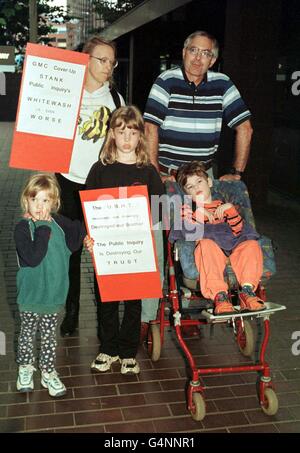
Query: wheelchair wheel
x=153, y=342
x=245, y=338
x=271, y=402
x=199, y=411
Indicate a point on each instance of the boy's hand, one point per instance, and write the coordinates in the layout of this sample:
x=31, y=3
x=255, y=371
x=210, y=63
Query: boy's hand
x=89, y=243
x=209, y=215
x=201, y=214
x=198, y=216
x=220, y=211
x=165, y=178
x=186, y=212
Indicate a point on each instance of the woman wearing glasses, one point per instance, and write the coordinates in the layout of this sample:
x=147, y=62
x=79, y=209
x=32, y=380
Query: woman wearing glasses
x=98, y=101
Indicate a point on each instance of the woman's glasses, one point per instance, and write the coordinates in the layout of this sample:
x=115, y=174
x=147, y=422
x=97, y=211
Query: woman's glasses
x=105, y=60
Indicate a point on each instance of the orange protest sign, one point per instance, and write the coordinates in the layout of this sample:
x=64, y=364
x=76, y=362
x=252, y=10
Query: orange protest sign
x=125, y=262
x=48, y=108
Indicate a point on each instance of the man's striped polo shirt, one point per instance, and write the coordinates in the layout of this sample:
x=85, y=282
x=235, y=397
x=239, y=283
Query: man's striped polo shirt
x=190, y=117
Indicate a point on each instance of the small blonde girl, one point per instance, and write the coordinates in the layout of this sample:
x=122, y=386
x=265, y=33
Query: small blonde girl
x=44, y=242
x=124, y=161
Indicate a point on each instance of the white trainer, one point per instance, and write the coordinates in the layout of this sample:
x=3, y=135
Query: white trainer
x=103, y=362
x=25, y=378
x=54, y=385
x=129, y=366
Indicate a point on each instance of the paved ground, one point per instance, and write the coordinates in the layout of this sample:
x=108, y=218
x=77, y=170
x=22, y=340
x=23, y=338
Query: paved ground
x=153, y=402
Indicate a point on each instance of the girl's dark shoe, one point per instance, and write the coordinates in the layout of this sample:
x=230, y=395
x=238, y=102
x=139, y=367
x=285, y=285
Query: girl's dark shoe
x=69, y=325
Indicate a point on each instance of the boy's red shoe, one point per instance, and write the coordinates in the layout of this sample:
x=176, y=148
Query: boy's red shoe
x=222, y=304
x=249, y=300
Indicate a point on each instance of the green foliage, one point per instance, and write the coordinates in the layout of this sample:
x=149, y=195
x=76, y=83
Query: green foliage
x=111, y=10
x=14, y=21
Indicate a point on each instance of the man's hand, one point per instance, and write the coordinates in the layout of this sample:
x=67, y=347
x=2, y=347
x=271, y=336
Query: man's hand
x=229, y=177
x=243, y=137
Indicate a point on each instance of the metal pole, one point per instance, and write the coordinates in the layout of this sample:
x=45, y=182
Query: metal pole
x=131, y=63
x=33, y=21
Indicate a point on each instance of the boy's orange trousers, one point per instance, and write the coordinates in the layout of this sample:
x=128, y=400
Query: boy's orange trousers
x=246, y=261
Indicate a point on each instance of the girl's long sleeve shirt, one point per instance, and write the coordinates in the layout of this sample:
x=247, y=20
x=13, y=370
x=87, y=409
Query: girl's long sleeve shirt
x=43, y=252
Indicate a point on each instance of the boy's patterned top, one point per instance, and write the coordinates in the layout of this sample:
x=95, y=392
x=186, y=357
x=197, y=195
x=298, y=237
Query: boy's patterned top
x=231, y=216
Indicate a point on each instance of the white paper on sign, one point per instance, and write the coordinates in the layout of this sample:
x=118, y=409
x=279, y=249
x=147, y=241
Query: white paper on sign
x=122, y=234
x=50, y=100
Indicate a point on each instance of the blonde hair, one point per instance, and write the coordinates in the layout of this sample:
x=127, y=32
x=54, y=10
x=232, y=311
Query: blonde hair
x=131, y=117
x=37, y=183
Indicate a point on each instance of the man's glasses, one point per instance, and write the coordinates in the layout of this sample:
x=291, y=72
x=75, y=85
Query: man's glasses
x=105, y=60
x=195, y=51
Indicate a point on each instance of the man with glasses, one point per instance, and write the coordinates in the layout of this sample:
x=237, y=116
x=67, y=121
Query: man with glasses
x=183, y=119
x=185, y=110
x=98, y=101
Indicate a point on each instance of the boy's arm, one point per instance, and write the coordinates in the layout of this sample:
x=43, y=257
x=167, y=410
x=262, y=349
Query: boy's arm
x=234, y=220
x=31, y=251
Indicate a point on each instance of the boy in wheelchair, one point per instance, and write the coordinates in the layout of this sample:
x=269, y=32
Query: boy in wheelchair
x=223, y=234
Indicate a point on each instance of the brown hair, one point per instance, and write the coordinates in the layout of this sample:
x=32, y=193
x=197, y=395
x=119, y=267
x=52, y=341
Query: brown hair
x=37, y=183
x=95, y=41
x=190, y=169
x=131, y=117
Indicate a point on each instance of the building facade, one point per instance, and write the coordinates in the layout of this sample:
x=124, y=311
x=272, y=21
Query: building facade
x=84, y=23
x=259, y=51
x=59, y=37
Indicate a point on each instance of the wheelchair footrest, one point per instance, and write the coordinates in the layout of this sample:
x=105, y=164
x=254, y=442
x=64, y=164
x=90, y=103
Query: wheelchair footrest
x=271, y=308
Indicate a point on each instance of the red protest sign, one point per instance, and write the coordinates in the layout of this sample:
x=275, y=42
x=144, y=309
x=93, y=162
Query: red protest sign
x=48, y=108
x=125, y=262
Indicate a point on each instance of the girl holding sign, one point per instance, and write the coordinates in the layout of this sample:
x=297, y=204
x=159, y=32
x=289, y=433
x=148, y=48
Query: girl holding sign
x=124, y=161
x=98, y=101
